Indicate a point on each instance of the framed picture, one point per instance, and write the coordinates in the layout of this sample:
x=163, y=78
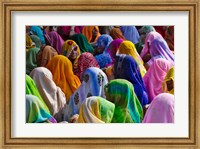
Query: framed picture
x=183, y=133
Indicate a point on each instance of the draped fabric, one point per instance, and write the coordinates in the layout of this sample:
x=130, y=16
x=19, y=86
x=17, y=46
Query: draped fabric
x=83, y=43
x=31, y=59
x=128, y=48
x=96, y=110
x=130, y=33
x=127, y=106
x=31, y=89
x=45, y=55
x=62, y=71
x=85, y=61
x=93, y=82
x=168, y=77
x=87, y=31
x=35, y=111
x=161, y=110
x=55, y=40
x=116, y=33
x=36, y=40
x=29, y=43
x=126, y=67
x=50, y=93
x=155, y=76
x=36, y=30
x=104, y=41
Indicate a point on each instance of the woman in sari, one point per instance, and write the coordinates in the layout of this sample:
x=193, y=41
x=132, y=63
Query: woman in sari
x=91, y=33
x=96, y=110
x=130, y=33
x=85, y=61
x=161, y=109
x=29, y=43
x=50, y=93
x=37, y=30
x=45, y=54
x=72, y=51
x=127, y=106
x=35, y=111
x=62, y=71
x=154, y=77
x=128, y=48
x=168, y=83
x=126, y=67
x=94, y=80
x=36, y=40
x=54, y=40
x=116, y=33
x=83, y=43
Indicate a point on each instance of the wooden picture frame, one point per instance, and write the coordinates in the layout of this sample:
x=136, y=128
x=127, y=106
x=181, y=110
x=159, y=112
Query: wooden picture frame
x=7, y=7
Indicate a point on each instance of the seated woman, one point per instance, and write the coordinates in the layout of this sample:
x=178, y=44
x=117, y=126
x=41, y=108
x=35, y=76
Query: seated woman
x=35, y=111
x=29, y=43
x=63, y=75
x=50, y=93
x=125, y=67
x=36, y=40
x=37, y=30
x=130, y=33
x=161, y=109
x=83, y=43
x=96, y=110
x=128, y=48
x=54, y=40
x=116, y=33
x=154, y=77
x=72, y=51
x=45, y=54
x=127, y=106
x=85, y=61
x=94, y=80
x=91, y=33
x=168, y=83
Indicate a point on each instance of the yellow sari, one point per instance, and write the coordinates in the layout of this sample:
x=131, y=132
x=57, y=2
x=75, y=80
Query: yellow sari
x=168, y=77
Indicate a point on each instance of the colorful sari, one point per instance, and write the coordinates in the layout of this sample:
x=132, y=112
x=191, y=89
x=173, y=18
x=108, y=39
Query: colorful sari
x=55, y=40
x=45, y=55
x=116, y=33
x=87, y=31
x=96, y=110
x=161, y=109
x=128, y=48
x=94, y=80
x=36, y=30
x=127, y=106
x=126, y=67
x=83, y=43
x=62, y=71
x=168, y=77
x=29, y=43
x=35, y=111
x=85, y=61
x=155, y=76
x=50, y=93
x=130, y=33
x=36, y=40
x=31, y=89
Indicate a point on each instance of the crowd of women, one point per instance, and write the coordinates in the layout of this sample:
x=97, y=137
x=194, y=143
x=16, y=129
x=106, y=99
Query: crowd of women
x=99, y=74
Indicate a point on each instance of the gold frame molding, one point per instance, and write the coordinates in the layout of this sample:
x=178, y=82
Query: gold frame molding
x=8, y=6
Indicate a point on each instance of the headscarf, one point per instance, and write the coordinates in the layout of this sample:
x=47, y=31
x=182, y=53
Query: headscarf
x=116, y=33
x=155, y=76
x=31, y=61
x=94, y=80
x=85, y=61
x=127, y=106
x=104, y=41
x=130, y=33
x=31, y=89
x=161, y=110
x=29, y=43
x=87, y=31
x=45, y=55
x=51, y=94
x=83, y=43
x=36, y=30
x=35, y=111
x=149, y=38
x=128, y=48
x=126, y=67
x=96, y=110
x=55, y=41
x=144, y=30
x=36, y=40
x=62, y=71
x=168, y=77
